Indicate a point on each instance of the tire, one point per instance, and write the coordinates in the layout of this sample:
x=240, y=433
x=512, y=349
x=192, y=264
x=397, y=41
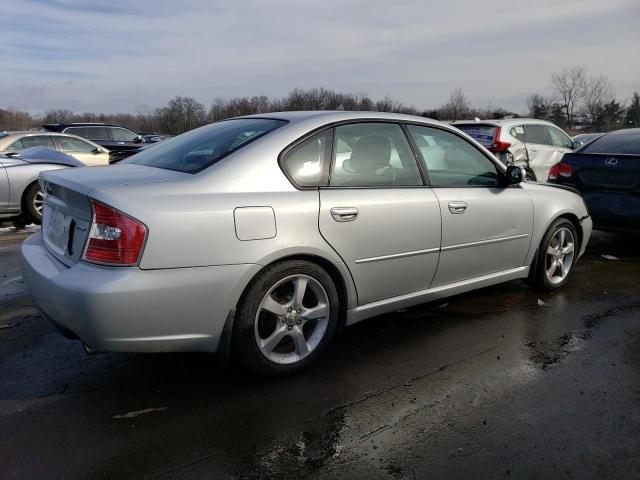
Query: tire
x=272, y=327
x=32, y=203
x=543, y=275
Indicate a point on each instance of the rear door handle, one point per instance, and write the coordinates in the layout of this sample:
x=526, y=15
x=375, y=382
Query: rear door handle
x=457, y=207
x=344, y=214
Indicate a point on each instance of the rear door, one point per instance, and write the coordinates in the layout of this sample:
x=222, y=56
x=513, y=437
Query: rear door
x=377, y=214
x=486, y=228
x=4, y=187
x=541, y=151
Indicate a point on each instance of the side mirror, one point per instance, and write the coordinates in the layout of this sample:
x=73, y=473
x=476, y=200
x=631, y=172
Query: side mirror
x=515, y=175
x=138, y=139
x=576, y=144
x=97, y=150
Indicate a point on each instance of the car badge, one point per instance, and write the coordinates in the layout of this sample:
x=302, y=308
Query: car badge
x=611, y=162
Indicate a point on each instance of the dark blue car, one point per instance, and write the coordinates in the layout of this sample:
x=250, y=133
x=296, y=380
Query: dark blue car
x=606, y=172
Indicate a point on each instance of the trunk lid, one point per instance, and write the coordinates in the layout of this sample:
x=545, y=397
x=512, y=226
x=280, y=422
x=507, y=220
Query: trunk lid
x=67, y=215
x=603, y=172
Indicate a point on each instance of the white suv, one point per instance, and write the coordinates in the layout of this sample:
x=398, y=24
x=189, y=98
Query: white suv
x=536, y=145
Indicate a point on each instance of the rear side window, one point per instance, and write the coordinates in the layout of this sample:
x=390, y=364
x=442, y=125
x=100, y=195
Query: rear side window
x=306, y=163
x=198, y=149
x=373, y=155
x=537, y=134
x=483, y=134
x=452, y=161
x=33, y=141
x=624, y=143
x=97, y=133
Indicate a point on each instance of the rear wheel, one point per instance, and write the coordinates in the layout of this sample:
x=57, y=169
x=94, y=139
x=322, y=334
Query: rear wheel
x=286, y=318
x=556, y=256
x=33, y=202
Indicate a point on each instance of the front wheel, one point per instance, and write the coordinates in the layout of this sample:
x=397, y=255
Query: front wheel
x=556, y=256
x=286, y=318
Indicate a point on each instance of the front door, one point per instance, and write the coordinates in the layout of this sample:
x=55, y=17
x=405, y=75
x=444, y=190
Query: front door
x=542, y=153
x=486, y=228
x=377, y=214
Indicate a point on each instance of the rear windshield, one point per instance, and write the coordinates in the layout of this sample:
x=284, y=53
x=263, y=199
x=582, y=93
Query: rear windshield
x=624, y=143
x=198, y=149
x=483, y=134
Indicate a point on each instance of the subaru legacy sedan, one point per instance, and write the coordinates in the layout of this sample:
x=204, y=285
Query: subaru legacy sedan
x=261, y=237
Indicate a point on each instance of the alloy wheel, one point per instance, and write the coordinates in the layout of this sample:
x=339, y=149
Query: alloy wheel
x=559, y=256
x=292, y=319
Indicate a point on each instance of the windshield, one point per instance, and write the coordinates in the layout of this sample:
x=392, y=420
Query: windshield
x=620, y=143
x=198, y=149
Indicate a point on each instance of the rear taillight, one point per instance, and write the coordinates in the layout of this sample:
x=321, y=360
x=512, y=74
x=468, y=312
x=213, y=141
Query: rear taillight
x=114, y=238
x=560, y=170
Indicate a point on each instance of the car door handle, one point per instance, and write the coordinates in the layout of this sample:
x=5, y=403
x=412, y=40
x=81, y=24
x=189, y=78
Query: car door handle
x=344, y=214
x=457, y=207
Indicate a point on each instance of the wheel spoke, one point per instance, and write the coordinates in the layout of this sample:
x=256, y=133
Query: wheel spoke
x=562, y=267
x=568, y=249
x=270, y=305
x=551, y=250
x=299, y=342
x=561, y=238
x=299, y=289
x=319, y=311
x=273, y=340
x=552, y=269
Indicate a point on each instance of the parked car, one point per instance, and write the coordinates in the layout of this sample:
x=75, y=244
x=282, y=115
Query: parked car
x=20, y=193
x=584, y=138
x=112, y=137
x=256, y=238
x=535, y=145
x=81, y=149
x=606, y=172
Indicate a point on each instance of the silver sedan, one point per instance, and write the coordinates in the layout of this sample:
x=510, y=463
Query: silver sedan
x=261, y=237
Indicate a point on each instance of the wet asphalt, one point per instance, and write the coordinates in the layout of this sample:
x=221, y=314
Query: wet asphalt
x=498, y=383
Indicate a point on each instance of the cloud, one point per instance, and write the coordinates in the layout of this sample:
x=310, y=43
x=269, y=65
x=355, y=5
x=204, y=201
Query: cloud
x=118, y=55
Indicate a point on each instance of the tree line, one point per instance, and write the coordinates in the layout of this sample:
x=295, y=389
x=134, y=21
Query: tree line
x=577, y=99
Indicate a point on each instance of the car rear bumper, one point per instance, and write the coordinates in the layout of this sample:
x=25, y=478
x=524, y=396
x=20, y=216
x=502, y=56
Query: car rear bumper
x=132, y=310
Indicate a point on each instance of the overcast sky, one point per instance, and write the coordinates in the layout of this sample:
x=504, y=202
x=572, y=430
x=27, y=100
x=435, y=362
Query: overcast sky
x=118, y=55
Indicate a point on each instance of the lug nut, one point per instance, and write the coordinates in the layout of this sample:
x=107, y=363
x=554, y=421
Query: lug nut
x=299, y=321
x=289, y=327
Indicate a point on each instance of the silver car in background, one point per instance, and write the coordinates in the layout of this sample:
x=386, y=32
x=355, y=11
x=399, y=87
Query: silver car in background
x=535, y=145
x=260, y=237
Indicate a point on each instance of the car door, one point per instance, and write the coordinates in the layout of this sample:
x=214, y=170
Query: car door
x=486, y=227
x=82, y=150
x=377, y=214
x=4, y=187
x=560, y=141
x=542, y=154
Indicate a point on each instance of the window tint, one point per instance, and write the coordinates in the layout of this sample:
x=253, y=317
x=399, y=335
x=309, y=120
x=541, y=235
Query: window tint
x=123, y=135
x=70, y=144
x=559, y=138
x=196, y=150
x=537, y=134
x=624, y=143
x=14, y=147
x=80, y=131
x=452, y=161
x=372, y=155
x=306, y=163
x=37, y=141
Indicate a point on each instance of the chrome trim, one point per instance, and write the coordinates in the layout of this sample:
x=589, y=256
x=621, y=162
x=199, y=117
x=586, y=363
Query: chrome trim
x=397, y=255
x=485, y=242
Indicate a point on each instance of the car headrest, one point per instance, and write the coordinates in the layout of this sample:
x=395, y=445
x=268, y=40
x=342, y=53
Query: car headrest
x=369, y=153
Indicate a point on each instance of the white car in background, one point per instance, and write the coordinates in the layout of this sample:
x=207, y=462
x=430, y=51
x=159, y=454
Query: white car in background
x=535, y=145
x=83, y=150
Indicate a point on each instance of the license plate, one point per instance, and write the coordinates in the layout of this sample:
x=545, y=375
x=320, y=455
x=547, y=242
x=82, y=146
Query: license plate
x=56, y=228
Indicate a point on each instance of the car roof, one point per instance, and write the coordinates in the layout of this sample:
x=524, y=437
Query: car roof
x=331, y=116
x=505, y=122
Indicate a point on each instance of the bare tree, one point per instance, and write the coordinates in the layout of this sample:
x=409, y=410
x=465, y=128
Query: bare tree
x=597, y=92
x=457, y=107
x=569, y=87
x=539, y=106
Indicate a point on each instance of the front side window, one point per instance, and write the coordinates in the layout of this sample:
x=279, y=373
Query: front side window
x=559, y=138
x=537, y=134
x=452, y=161
x=517, y=132
x=198, y=149
x=123, y=135
x=372, y=155
x=71, y=144
x=306, y=163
